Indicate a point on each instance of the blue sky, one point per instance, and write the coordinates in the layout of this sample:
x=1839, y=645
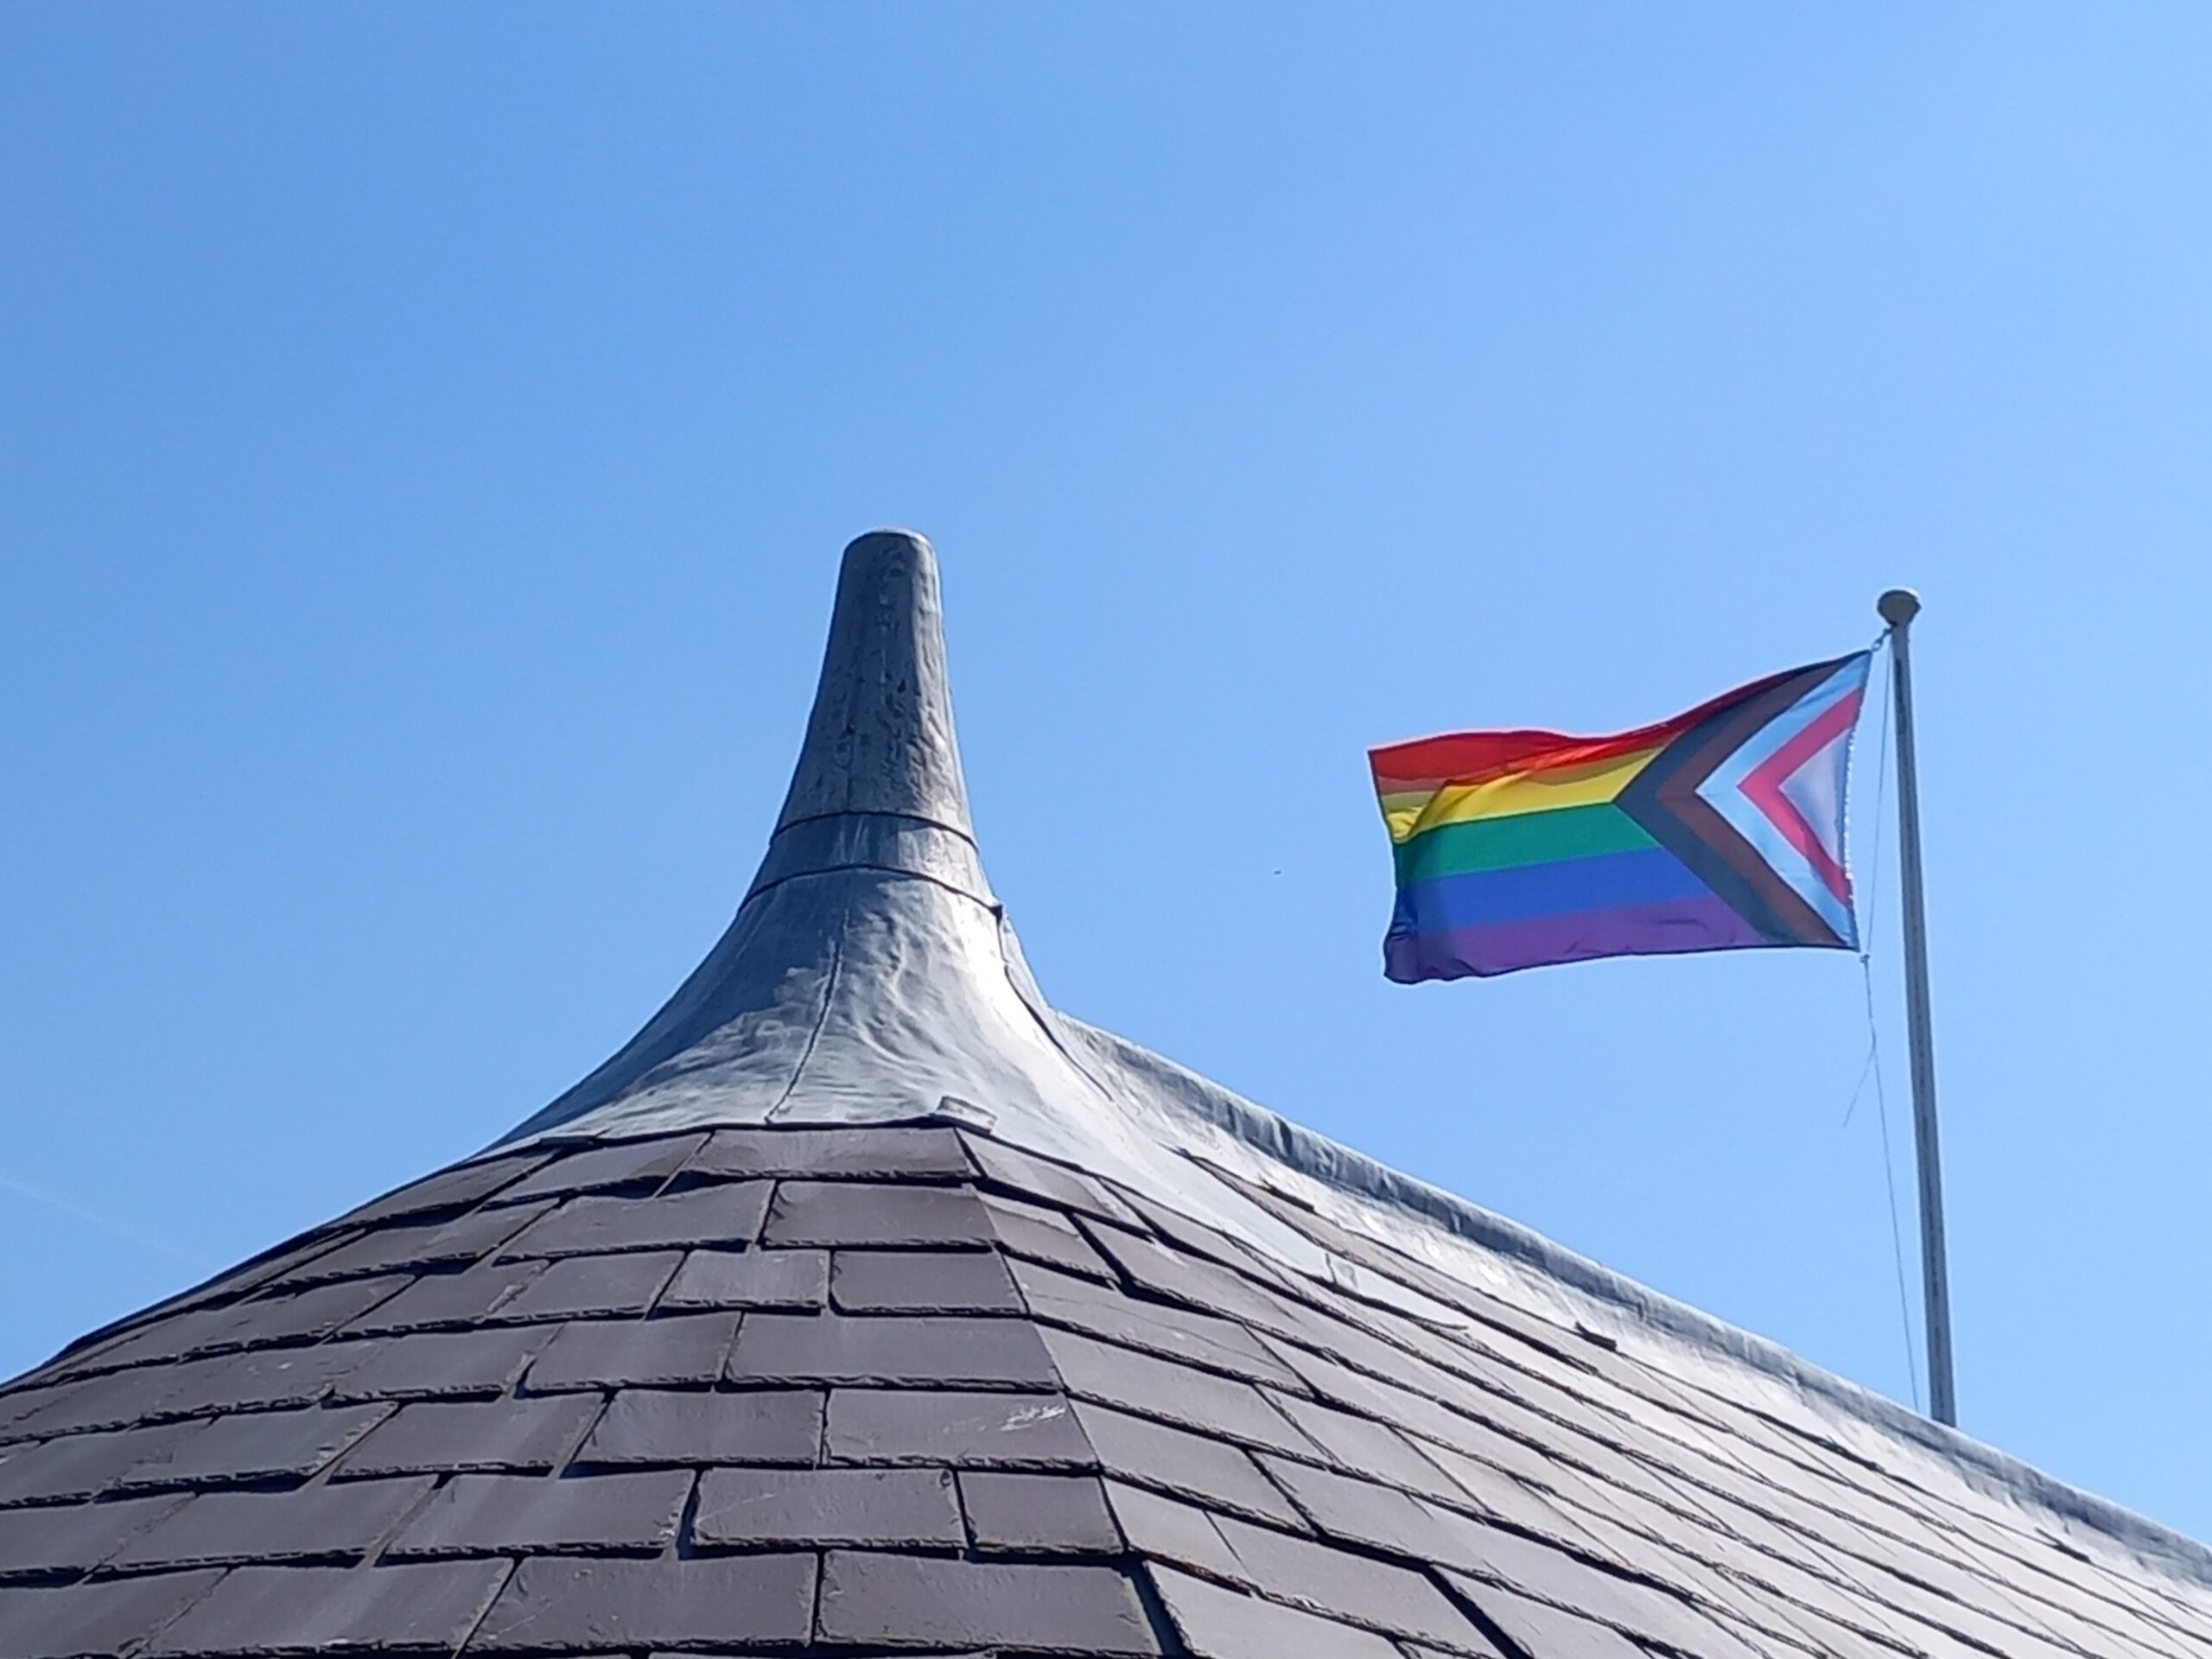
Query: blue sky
x=428, y=437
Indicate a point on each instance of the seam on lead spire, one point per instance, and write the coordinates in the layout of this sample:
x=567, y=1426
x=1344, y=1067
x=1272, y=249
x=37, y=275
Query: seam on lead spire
x=821, y=1014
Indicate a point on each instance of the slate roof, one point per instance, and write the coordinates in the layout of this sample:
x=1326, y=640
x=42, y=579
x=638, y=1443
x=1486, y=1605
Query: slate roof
x=868, y=1306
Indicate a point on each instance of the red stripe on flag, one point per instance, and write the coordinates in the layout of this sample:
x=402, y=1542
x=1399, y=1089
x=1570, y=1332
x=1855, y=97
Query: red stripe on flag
x=1426, y=763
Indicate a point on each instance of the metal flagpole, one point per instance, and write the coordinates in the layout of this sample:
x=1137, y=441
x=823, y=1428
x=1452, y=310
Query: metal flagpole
x=1897, y=608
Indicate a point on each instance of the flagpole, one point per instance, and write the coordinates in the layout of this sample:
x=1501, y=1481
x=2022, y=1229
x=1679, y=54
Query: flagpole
x=1897, y=608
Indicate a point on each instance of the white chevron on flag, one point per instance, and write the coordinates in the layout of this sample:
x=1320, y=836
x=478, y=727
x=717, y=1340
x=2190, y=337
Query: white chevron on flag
x=1783, y=793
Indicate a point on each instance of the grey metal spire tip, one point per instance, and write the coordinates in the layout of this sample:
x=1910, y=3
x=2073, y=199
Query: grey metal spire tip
x=881, y=739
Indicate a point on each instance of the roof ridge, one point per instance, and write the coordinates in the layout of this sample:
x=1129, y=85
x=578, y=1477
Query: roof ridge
x=1382, y=1193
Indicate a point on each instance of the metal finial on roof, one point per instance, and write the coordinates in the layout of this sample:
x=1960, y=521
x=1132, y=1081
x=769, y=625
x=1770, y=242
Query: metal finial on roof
x=881, y=736
x=868, y=952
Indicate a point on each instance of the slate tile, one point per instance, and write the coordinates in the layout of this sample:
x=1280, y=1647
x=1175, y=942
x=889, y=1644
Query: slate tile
x=256, y=1445
x=1978, y=1623
x=449, y=1300
x=1218, y=1624
x=1365, y=1448
x=1533, y=1627
x=1038, y=1514
x=1552, y=1575
x=783, y=1281
x=1466, y=1352
x=272, y=1265
x=856, y=1213
x=436, y=1437
x=1045, y=1235
x=74, y=1537
x=1215, y=1405
x=1478, y=1442
x=148, y=1335
x=1367, y=1253
x=644, y=1164
x=1192, y=1238
x=430, y=1364
x=457, y=1188
x=1353, y=1343
x=1758, y=1616
x=1833, y=1640
x=1800, y=1468
x=85, y=1355
x=1933, y=1574
x=937, y=1426
x=2163, y=1604
x=869, y=1509
x=20, y=1402
x=1558, y=1405
x=725, y=1215
x=167, y=1337
x=316, y=1522
x=582, y=1286
x=1611, y=1466
x=1339, y=1584
x=1037, y=1179
x=1166, y=1330
x=1530, y=1332
x=1718, y=1484
x=879, y=1154
x=311, y=1314
x=1802, y=1576
x=305, y=1316
x=1500, y=1497
x=728, y=1601
x=922, y=1282
x=1728, y=1491
x=919, y=1600
x=115, y=1400
x=2087, y=1618
x=466, y=1238
x=477, y=1514
x=266, y=1378
x=1369, y=1396
x=830, y=1348
x=636, y=1353
x=430, y=1605
x=93, y=1620
x=643, y=1425
x=1389, y=1341
x=1180, y=1534
x=81, y=1466
x=1206, y=1471
x=1382, y=1517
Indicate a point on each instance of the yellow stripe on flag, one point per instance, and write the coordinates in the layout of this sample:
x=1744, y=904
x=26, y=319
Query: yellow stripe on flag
x=1546, y=790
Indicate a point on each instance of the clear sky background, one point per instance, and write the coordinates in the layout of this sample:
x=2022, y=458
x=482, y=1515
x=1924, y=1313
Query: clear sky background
x=426, y=439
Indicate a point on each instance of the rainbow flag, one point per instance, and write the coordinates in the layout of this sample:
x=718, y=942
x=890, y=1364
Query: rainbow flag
x=1718, y=829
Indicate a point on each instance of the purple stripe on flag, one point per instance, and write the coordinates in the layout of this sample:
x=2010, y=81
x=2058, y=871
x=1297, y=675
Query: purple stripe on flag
x=1666, y=928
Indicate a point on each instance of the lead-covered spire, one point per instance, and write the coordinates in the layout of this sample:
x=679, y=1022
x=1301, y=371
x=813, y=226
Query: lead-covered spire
x=880, y=738
x=868, y=948
x=870, y=976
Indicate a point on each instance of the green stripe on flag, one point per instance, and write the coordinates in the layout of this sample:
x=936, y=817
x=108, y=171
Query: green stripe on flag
x=1524, y=838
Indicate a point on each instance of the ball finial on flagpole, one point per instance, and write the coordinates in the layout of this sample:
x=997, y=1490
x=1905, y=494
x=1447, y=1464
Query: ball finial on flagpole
x=1898, y=607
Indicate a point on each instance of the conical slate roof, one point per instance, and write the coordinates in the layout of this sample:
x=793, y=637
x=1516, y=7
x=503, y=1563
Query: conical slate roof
x=864, y=1304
